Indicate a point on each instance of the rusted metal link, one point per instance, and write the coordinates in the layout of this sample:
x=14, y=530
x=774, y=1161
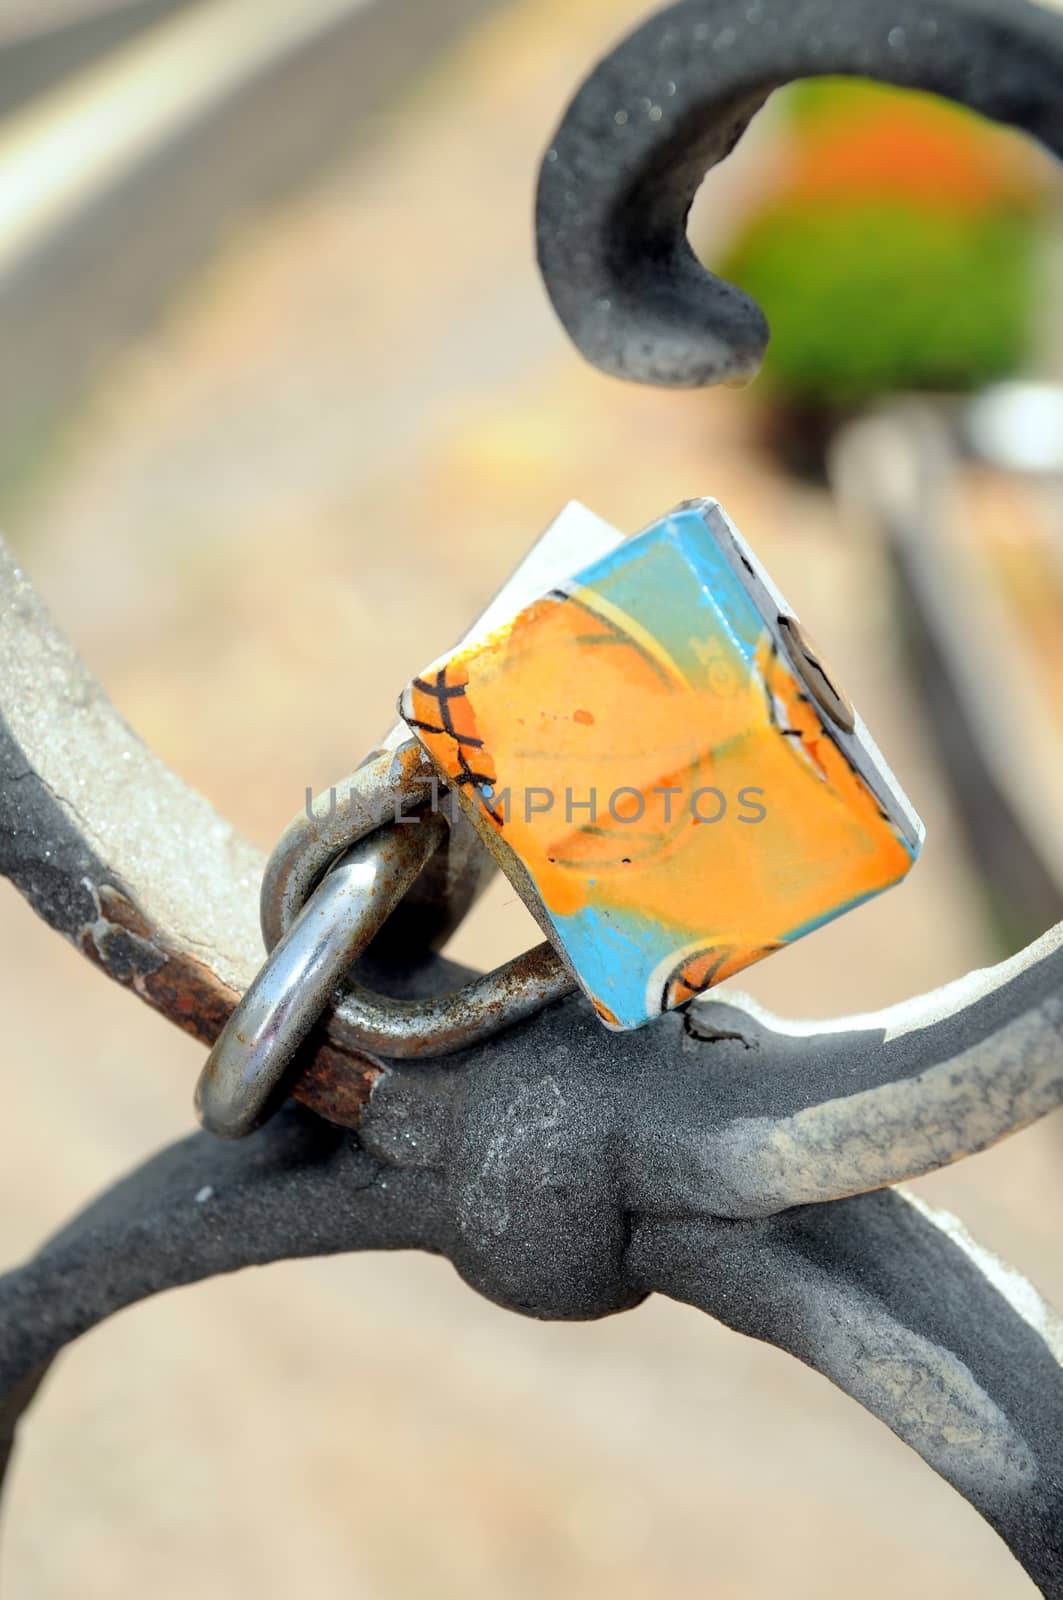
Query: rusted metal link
x=390, y=784
x=393, y=782
x=320, y=912
x=242, y=1079
x=443, y=1024
x=313, y=944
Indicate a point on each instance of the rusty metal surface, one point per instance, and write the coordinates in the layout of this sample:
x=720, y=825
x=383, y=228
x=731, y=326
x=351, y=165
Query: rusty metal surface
x=724, y=1157
x=114, y=852
x=441, y=1024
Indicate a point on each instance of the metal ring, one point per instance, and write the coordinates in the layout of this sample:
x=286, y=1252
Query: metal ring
x=392, y=781
x=365, y=1020
x=397, y=776
x=443, y=1024
x=244, y=1073
x=395, y=780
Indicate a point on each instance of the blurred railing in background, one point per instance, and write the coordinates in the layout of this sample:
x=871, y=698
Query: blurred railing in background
x=43, y=44
x=132, y=135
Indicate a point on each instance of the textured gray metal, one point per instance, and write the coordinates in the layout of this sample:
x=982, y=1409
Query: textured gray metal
x=524, y=1167
x=565, y=1171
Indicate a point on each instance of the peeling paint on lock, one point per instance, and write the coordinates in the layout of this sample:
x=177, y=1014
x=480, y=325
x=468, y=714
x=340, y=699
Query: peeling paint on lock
x=665, y=767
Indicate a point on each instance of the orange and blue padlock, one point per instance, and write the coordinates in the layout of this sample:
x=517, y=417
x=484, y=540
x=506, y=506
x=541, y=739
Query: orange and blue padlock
x=664, y=768
x=657, y=757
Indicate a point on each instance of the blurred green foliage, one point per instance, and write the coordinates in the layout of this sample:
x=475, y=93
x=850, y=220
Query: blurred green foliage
x=890, y=299
x=896, y=247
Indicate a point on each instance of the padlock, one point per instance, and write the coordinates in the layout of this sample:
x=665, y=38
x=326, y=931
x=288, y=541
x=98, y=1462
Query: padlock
x=664, y=767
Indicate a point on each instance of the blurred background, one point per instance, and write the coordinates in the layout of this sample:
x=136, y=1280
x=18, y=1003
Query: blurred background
x=281, y=400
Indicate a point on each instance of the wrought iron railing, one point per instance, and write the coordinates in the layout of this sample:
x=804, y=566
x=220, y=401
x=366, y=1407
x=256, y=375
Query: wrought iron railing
x=724, y=1157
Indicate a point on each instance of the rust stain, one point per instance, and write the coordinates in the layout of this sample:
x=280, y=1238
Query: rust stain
x=190, y=994
x=120, y=912
x=335, y=1083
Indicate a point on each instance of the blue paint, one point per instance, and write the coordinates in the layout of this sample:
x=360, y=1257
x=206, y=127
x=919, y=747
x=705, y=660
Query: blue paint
x=616, y=953
x=668, y=577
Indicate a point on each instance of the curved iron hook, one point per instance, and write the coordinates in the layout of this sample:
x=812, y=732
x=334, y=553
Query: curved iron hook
x=674, y=98
x=628, y=1164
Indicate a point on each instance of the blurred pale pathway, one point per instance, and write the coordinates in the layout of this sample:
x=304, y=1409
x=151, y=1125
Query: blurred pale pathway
x=296, y=493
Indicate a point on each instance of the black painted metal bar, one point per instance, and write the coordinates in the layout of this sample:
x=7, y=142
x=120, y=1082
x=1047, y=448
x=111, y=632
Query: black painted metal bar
x=673, y=99
x=724, y=1157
